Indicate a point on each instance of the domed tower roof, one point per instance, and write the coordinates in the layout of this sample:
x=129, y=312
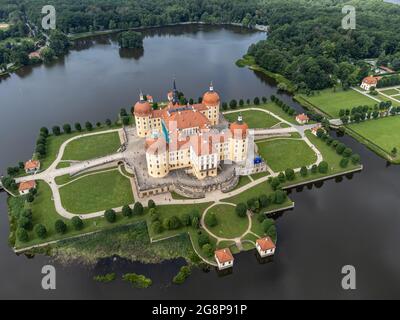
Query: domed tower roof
x=211, y=97
x=239, y=128
x=142, y=108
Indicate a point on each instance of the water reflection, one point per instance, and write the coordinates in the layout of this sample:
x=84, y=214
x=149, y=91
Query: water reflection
x=135, y=54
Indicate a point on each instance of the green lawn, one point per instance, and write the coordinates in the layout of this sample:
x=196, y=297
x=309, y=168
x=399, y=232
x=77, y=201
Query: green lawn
x=243, y=180
x=44, y=212
x=259, y=175
x=383, y=132
x=331, y=102
x=329, y=155
x=255, y=119
x=54, y=143
x=282, y=154
x=390, y=92
x=92, y=147
x=97, y=192
x=230, y=225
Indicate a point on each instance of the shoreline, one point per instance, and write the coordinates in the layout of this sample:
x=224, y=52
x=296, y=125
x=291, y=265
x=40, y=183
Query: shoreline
x=84, y=35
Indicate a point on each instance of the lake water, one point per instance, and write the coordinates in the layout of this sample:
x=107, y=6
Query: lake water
x=354, y=222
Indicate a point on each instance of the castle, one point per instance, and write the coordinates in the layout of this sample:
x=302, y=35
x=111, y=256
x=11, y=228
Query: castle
x=189, y=136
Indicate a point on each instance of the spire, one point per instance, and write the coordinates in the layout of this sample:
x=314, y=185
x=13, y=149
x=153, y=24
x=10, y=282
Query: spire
x=141, y=97
x=211, y=86
x=175, y=98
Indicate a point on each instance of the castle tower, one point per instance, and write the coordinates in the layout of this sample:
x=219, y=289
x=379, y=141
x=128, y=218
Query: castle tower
x=211, y=100
x=142, y=113
x=238, y=144
x=156, y=156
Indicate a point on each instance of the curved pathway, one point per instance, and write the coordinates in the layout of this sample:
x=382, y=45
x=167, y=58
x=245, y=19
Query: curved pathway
x=237, y=240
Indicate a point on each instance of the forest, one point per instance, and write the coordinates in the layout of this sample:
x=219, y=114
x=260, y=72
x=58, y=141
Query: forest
x=306, y=42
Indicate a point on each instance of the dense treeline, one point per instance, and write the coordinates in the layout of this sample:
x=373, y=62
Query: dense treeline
x=307, y=44
x=75, y=16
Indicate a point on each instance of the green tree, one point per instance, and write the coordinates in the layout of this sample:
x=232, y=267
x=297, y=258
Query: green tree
x=267, y=224
x=355, y=158
x=56, y=130
x=47, y=55
x=40, y=231
x=290, y=175
x=203, y=239
x=344, y=162
x=67, y=128
x=304, y=171
x=211, y=220
x=110, y=215
x=208, y=250
x=59, y=43
x=323, y=167
x=347, y=152
x=44, y=131
x=127, y=211
x=77, y=223
x=131, y=40
x=22, y=235
x=241, y=210
x=78, y=126
x=60, y=227
x=25, y=223
x=157, y=227
x=88, y=126
x=138, y=209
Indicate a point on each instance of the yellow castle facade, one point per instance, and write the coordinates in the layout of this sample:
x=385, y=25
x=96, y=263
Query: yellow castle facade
x=187, y=137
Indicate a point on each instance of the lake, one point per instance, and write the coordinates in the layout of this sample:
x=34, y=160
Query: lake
x=350, y=222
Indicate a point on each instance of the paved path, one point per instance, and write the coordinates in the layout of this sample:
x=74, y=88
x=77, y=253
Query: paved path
x=387, y=96
x=366, y=94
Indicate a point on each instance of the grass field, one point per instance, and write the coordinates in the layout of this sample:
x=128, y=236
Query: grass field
x=383, y=132
x=92, y=147
x=230, y=225
x=44, y=212
x=255, y=119
x=390, y=92
x=331, y=102
x=282, y=154
x=97, y=192
x=54, y=143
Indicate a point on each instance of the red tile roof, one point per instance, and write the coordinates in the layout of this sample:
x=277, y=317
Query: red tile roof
x=32, y=165
x=224, y=255
x=371, y=80
x=185, y=119
x=302, y=117
x=27, y=185
x=266, y=243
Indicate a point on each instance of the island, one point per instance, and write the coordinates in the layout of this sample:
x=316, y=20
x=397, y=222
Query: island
x=201, y=180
